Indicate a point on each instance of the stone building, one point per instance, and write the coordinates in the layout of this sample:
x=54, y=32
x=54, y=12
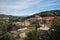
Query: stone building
x=4, y=19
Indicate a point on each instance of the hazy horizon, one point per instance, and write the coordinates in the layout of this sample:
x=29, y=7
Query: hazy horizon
x=27, y=7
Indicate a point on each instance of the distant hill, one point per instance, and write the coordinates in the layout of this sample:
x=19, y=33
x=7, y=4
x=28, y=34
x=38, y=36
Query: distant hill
x=12, y=17
x=47, y=13
x=50, y=13
x=43, y=14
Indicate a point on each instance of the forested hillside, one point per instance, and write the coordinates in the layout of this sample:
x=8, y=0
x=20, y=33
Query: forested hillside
x=11, y=17
x=50, y=13
x=47, y=13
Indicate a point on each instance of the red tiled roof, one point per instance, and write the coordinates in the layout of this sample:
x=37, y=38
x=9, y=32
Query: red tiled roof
x=48, y=18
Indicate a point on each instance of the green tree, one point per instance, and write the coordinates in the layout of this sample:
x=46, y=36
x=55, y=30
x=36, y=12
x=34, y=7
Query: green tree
x=7, y=36
x=32, y=35
x=4, y=35
x=56, y=24
x=55, y=29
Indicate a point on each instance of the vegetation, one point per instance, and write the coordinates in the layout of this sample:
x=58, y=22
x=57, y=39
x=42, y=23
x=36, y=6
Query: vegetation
x=56, y=24
x=47, y=13
x=54, y=32
x=55, y=29
x=32, y=35
x=50, y=13
x=4, y=34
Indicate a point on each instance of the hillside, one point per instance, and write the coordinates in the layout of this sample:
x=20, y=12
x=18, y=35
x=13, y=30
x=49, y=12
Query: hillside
x=21, y=18
x=47, y=13
x=43, y=14
x=50, y=13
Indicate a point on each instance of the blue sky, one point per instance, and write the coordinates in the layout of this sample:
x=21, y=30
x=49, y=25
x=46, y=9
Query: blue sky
x=27, y=7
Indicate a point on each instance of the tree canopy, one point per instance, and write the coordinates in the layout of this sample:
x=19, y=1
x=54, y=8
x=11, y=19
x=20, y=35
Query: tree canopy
x=56, y=24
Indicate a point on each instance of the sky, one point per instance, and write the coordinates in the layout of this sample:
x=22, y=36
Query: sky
x=27, y=7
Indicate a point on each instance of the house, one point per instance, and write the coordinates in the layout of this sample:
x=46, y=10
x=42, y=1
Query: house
x=4, y=19
x=32, y=19
x=26, y=22
x=47, y=19
x=39, y=19
x=17, y=25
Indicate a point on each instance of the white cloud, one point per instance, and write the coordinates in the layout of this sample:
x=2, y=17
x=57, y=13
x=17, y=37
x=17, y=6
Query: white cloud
x=48, y=3
x=23, y=4
x=12, y=6
x=18, y=14
x=19, y=4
